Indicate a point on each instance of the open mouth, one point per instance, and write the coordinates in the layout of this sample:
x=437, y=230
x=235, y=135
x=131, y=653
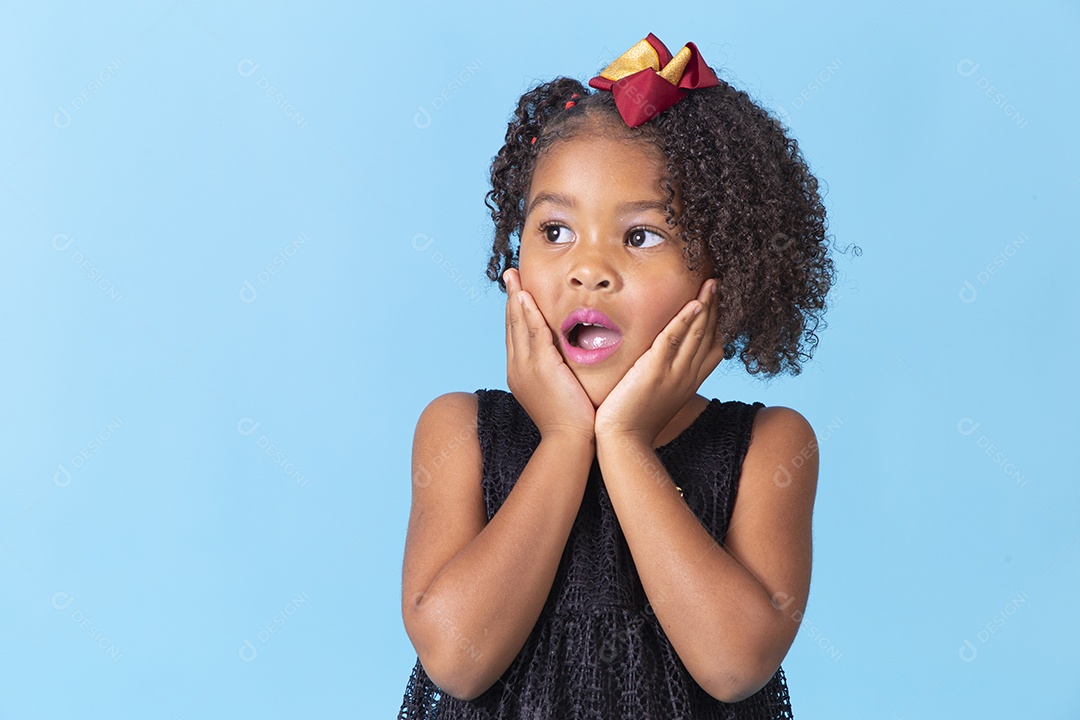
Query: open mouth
x=590, y=336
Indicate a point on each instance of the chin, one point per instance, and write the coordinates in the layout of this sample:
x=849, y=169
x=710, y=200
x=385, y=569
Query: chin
x=595, y=388
x=596, y=397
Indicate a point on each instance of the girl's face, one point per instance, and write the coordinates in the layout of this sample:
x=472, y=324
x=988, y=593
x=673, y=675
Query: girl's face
x=596, y=237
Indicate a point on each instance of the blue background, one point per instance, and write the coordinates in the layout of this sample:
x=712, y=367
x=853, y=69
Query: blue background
x=244, y=247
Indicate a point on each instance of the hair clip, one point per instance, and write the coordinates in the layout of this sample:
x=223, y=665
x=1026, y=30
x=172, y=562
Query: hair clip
x=646, y=80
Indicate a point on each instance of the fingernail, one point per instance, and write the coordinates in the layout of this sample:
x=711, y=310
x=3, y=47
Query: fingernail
x=697, y=309
x=715, y=288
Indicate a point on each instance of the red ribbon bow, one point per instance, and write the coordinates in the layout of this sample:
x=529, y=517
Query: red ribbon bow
x=646, y=80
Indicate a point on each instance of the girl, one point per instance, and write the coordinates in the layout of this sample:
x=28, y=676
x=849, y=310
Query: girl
x=602, y=541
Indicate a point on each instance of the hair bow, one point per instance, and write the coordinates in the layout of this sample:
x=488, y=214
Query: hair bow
x=646, y=80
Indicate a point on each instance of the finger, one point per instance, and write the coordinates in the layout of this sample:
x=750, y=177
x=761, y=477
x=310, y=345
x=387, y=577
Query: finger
x=688, y=342
x=536, y=335
x=711, y=360
x=708, y=359
x=707, y=345
x=527, y=329
x=672, y=338
x=511, y=313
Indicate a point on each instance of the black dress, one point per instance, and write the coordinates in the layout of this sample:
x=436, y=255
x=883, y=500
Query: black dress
x=597, y=651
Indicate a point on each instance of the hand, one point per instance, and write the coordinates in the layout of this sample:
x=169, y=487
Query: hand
x=535, y=371
x=670, y=372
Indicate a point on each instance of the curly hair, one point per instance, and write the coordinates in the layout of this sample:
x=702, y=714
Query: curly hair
x=748, y=200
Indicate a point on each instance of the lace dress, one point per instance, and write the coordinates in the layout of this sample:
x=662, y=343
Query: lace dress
x=597, y=651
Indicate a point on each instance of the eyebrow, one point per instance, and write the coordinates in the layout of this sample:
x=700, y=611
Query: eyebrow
x=568, y=202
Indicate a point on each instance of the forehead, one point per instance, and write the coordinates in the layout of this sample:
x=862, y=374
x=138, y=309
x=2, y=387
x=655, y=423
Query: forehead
x=598, y=170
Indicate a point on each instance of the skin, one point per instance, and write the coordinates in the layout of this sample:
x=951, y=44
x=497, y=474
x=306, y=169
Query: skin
x=472, y=590
x=582, y=247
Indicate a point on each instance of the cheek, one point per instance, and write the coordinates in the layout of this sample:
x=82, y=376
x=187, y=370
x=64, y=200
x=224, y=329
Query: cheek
x=532, y=281
x=538, y=275
x=665, y=303
x=541, y=288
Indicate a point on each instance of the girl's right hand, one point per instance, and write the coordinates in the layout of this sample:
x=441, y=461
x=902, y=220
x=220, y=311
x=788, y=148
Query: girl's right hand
x=535, y=371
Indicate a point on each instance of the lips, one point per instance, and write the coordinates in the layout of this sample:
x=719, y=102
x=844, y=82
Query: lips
x=589, y=336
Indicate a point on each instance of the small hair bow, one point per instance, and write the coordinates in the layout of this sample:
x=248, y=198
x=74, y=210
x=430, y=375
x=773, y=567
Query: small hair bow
x=646, y=80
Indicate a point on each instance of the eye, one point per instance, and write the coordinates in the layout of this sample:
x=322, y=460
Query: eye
x=554, y=233
x=639, y=236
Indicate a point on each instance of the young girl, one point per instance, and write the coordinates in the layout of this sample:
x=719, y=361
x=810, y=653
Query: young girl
x=601, y=541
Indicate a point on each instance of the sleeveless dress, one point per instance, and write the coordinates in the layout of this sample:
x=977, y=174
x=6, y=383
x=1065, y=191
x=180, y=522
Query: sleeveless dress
x=597, y=651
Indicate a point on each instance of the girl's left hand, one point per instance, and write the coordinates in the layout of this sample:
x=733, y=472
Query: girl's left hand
x=670, y=372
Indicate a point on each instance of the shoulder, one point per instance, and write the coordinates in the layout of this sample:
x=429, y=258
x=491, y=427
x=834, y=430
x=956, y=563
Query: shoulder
x=468, y=403
x=783, y=447
x=449, y=406
x=468, y=407
x=778, y=423
x=448, y=412
x=447, y=424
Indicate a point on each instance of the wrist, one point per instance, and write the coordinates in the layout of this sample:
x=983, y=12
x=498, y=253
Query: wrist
x=568, y=437
x=615, y=441
x=629, y=456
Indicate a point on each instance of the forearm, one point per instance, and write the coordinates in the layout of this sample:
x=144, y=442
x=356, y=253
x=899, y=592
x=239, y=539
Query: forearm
x=716, y=614
x=482, y=605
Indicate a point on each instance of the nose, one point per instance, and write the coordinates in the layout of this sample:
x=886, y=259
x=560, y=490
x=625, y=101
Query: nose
x=592, y=268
